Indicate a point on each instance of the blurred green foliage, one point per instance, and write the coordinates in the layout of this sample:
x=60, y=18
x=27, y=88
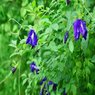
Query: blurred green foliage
x=70, y=65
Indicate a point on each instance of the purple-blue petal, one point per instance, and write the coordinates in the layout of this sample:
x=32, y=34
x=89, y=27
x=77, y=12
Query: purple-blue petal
x=76, y=27
x=66, y=37
x=43, y=80
x=32, y=38
x=83, y=29
x=33, y=67
x=80, y=28
x=50, y=83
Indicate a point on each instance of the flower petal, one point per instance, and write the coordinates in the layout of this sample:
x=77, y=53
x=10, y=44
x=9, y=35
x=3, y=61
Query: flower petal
x=32, y=38
x=83, y=29
x=76, y=27
x=33, y=67
x=66, y=37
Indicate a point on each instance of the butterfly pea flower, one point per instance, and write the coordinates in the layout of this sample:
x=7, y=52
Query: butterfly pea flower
x=66, y=37
x=43, y=80
x=67, y=2
x=32, y=38
x=54, y=85
x=13, y=69
x=50, y=83
x=80, y=28
x=34, y=68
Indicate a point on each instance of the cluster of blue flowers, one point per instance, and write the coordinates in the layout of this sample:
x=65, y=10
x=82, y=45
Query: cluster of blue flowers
x=79, y=27
x=46, y=85
x=33, y=40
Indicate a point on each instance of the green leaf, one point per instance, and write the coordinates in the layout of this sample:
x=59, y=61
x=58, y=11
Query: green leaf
x=13, y=43
x=89, y=85
x=14, y=54
x=7, y=27
x=71, y=46
x=74, y=89
x=84, y=45
x=24, y=3
x=87, y=70
x=24, y=81
x=93, y=59
x=55, y=26
x=23, y=12
x=53, y=46
x=45, y=20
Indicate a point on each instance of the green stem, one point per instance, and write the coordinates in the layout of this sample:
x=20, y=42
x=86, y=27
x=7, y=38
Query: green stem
x=15, y=21
x=88, y=12
x=19, y=80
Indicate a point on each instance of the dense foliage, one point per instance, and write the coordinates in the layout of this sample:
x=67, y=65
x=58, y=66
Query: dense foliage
x=58, y=58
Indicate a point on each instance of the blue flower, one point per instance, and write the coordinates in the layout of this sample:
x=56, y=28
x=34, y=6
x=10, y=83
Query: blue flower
x=53, y=84
x=54, y=87
x=66, y=37
x=34, y=68
x=32, y=38
x=43, y=80
x=80, y=28
x=13, y=69
x=50, y=83
x=67, y=2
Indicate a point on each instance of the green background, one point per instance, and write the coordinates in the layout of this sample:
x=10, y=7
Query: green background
x=70, y=65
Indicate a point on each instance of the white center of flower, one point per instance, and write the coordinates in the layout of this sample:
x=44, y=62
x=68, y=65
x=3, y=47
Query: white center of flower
x=32, y=36
x=82, y=28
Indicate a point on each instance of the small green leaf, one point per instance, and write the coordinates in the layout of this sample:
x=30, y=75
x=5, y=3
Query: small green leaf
x=74, y=89
x=46, y=20
x=87, y=70
x=24, y=81
x=71, y=46
x=93, y=59
x=53, y=46
x=55, y=26
x=23, y=12
x=14, y=54
x=25, y=2
x=84, y=44
x=13, y=43
x=89, y=85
